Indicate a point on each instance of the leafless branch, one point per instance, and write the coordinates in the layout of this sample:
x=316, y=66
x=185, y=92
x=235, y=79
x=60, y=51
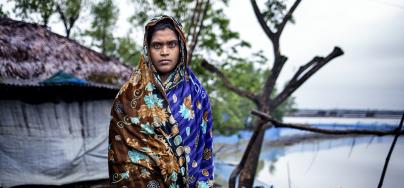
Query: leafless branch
x=195, y=35
x=306, y=127
x=191, y=25
x=62, y=16
x=67, y=22
x=261, y=20
x=227, y=83
x=305, y=67
x=386, y=163
x=197, y=17
x=274, y=37
x=287, y=17
x=298, y=79
x=271, y=80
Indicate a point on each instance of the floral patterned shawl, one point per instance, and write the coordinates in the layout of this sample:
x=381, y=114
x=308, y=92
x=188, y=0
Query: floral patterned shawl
x=160, y=134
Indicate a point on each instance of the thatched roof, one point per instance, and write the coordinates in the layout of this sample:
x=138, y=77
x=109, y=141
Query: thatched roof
x=30, y=54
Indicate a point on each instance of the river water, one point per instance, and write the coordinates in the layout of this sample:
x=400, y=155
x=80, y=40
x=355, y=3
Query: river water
x=317, y=161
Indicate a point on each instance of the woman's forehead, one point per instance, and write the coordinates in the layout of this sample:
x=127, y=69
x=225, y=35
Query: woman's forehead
x=164, y=35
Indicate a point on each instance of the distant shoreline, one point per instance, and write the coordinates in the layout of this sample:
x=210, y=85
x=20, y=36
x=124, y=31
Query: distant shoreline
x=346, y=113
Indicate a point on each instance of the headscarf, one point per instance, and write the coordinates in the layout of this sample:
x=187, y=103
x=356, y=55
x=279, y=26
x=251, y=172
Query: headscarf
x=160, y=134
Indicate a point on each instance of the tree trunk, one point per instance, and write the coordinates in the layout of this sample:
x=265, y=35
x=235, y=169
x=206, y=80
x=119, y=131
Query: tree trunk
x=247, y=174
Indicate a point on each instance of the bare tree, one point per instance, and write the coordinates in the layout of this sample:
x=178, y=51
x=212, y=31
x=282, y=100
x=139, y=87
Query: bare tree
x=263, y=100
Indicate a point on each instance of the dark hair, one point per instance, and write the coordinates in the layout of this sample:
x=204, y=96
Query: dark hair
x=160, y=26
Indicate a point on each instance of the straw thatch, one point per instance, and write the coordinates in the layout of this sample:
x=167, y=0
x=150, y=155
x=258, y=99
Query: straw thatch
x=54, y=107
x=30, y=53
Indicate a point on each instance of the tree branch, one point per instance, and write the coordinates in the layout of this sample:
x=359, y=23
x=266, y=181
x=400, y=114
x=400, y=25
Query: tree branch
x=316, y=64
x=305, y=67
x=287, y=17
x=274, y=37
x=386, y=163
x=261, y=20
x=306, y=127
x=63, y=17
x=194, y=27
x=72, y=21
x=227, y=83
x=271, y=80
x=195, y=35
x=67, y=22
x=192, y=19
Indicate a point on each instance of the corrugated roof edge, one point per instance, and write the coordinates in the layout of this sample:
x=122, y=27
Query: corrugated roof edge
x=30, y=83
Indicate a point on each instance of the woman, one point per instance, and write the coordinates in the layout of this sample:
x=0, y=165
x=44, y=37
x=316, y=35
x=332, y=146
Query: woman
x=160, y=134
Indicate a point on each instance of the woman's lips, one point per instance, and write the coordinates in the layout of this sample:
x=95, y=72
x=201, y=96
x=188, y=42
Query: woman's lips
x=165, y=62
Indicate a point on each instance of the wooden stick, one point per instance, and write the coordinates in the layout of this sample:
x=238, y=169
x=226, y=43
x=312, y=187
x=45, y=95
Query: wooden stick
x=306, y=127
x=390, y=151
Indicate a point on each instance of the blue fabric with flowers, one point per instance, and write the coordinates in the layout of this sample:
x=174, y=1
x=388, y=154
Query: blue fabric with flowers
x=189, y=104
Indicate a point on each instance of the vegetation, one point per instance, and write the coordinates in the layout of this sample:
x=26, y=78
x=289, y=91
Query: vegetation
x=209, y=38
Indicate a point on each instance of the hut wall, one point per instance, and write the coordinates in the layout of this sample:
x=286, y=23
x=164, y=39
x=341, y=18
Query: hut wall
x=53, y=143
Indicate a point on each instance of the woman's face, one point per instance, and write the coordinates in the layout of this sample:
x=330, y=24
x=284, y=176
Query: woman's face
x=164, y=51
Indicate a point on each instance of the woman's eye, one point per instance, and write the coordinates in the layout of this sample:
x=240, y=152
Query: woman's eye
x=172, y=44
x=156, y=45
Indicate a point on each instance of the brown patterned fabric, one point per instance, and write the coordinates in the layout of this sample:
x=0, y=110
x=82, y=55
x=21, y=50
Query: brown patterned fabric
x=137, y=148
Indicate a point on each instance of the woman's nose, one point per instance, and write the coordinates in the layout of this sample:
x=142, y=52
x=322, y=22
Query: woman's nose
x=164, y=51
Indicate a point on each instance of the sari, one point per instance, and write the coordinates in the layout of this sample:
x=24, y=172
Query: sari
x=160, y=134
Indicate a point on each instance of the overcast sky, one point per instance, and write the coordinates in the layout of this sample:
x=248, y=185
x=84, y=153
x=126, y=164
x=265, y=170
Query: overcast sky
x=369, y=75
